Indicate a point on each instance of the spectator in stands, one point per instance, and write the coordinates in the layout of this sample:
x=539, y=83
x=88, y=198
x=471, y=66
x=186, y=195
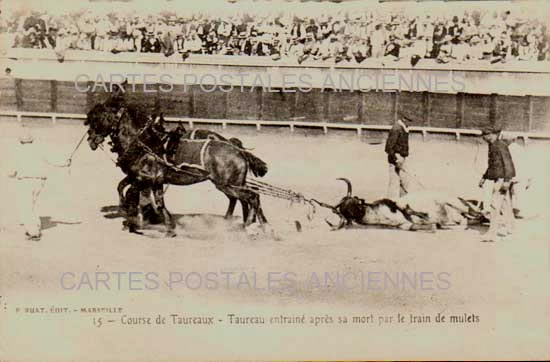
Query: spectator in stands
x=494, y=36
x=193, y=45
x=439, y=39
x=51, y=36
x=179, y=44
x=158, y=45
x=360, y=50
x=342, y=49
x=378, y=40
x=474, y=51
x=101, y=29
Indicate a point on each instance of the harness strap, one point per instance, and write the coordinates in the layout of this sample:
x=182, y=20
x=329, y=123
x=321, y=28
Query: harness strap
x=119, y=114
x=203, y=151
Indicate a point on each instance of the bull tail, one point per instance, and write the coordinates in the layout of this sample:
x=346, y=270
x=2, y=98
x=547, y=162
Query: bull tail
x=257, y=166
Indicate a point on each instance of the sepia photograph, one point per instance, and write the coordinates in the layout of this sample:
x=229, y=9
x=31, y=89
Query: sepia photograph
x=268, y=180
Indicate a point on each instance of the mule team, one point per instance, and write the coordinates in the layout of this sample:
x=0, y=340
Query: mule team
x=151, y=157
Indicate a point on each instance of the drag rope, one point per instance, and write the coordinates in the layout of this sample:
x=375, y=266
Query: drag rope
x=77, y=146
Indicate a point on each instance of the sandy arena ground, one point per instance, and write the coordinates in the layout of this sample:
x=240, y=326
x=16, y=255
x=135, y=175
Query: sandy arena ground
x=506, y=283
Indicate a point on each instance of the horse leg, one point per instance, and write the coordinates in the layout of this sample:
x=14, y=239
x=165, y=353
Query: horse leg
x=246, y=209
x=254, y=202
x=231, y=208
x=261, y=213
x=120, y=188
x=169, y=222
x=260, y=216
x=135, y=216
x=246, y=198
x=168, y=219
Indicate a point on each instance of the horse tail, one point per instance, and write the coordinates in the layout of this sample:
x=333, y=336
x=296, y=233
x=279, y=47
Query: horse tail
x=257, y=166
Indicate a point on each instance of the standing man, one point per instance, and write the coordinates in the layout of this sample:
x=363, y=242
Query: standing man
x=31, y=173
x=397, y=148
x=523, y=179
x=500, y=170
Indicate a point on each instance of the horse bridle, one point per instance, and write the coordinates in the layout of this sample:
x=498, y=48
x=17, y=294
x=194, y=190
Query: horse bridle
x=115, y=128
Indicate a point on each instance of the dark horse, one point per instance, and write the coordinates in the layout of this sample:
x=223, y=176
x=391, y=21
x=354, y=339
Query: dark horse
x=142, y=156
x=196, y=134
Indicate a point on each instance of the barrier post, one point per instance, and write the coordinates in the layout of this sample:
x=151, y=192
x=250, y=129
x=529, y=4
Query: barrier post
x=191, y=101
x=395, y=104
x=225, y=104
x=260, y=102
x=359, y=108
x=459, y=110
x=53, y=95
x=426, y=104
x=294, y=105
x=89, y=95
x=362, y=96
x=326, y=105
x=19, y=93
x=493, y=110
x=528, y=113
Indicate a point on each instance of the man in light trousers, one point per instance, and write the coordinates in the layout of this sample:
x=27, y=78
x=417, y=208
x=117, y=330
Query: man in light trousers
x=500, y=170
x=31, y=171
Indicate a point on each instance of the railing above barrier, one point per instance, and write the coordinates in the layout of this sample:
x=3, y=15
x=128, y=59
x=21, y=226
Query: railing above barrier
x=292, y=125
x=257, y=61
x=514, y=78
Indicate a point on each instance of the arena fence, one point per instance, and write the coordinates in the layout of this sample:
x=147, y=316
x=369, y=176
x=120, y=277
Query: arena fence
x=514, y=97
x=349, y=110
x=292, y=125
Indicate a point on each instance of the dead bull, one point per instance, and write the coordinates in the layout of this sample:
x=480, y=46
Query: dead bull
x=442, y=212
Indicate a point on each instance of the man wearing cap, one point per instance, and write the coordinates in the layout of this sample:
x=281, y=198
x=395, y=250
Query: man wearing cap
x=397, y=149
x=500, y=170
x=31, y=173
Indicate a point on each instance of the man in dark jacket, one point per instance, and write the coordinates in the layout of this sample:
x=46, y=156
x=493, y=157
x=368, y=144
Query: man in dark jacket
x=397, y=148
x=501, y=171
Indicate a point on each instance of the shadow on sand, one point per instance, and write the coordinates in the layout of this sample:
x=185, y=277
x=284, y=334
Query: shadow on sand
x=195, y=226
x=112, y=212
x=48, y=223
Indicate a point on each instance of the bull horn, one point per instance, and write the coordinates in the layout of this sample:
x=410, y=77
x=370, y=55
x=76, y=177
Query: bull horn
x=348, y=182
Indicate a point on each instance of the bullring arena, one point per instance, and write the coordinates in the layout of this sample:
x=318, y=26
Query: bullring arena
x=82, y=233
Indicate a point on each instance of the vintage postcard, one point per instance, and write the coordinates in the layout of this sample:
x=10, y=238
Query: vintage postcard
x=274, y=180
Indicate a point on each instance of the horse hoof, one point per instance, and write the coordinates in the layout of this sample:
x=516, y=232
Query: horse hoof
x=171, y=234
x=253, y=231
x=134, y=230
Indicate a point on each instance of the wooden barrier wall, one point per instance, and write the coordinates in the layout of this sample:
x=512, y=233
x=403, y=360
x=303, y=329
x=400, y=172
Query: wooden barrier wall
x=471, y=111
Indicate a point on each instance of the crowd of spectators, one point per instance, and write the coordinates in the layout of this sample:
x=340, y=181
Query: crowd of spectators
x=496, y=36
